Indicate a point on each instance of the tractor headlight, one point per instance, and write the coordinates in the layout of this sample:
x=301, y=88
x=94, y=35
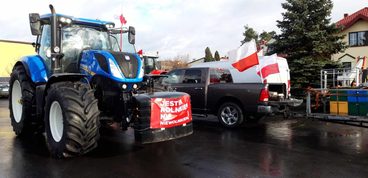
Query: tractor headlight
x=109, y=26
x=65, y=20
x=114, y=69
x=124, y=86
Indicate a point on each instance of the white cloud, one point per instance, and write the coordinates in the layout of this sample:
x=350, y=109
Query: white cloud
x=342, y=6
x=172, y=27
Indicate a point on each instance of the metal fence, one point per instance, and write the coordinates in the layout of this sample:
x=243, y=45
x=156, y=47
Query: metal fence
x=348, y=106
x=332, y=78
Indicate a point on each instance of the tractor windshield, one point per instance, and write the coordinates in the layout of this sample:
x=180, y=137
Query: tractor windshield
x=77, y=38
x=81, y=37
x=149, y=64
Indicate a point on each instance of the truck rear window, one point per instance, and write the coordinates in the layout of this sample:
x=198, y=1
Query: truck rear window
x=218, y=75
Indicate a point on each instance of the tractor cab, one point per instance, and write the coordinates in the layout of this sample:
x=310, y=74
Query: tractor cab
x=75, y=35
x=151, y=64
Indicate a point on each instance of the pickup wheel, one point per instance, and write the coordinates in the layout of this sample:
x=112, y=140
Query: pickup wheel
x=230, y=115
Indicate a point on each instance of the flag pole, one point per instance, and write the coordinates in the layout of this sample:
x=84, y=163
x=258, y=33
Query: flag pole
x=121, y=38
x=121, y=28
x=278, y=68
x=260, y=72
x=260, y=69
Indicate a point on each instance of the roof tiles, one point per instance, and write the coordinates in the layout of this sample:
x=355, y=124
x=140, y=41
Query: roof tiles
x=348, y=21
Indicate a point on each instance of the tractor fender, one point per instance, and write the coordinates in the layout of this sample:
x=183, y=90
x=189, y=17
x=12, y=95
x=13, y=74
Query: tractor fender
x=73, y=77
x=35, y=68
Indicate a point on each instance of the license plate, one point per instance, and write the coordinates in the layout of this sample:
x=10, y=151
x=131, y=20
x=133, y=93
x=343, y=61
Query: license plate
x=6, y=89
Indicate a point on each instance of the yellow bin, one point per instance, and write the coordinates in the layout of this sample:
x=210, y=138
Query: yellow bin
x=339, y=107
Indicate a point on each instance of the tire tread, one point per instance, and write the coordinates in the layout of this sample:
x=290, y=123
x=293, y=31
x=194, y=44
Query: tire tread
x=80, y=118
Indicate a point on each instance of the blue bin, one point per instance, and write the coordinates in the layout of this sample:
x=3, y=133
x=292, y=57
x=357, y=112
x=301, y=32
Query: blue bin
x=352, y=96
x=362, y=96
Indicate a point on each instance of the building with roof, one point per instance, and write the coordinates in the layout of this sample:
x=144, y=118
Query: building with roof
x=11, y=52
x=355, y=31
x=196, y=61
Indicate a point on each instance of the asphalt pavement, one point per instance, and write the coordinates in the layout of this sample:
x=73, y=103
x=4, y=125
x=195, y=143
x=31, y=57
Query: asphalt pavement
x=275, y=147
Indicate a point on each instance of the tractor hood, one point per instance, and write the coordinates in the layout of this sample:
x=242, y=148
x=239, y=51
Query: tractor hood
x=120, y=66
x=128, y=63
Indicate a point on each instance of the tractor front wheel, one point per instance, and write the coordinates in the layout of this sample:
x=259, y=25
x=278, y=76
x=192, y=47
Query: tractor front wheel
x=22, y=102
x=71, y=119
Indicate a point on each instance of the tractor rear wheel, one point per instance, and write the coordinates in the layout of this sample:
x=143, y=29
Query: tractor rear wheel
x=71, y=119
x=22, y=102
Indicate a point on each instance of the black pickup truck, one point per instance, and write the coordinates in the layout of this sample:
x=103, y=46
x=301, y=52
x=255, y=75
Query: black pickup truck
x=212, y=91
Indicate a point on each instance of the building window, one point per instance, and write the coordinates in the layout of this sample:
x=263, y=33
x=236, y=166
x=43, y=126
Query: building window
x=358, y=38
x=346, y=65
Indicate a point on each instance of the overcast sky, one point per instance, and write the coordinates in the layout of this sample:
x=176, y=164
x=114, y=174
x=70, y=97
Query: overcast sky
x=172, y=27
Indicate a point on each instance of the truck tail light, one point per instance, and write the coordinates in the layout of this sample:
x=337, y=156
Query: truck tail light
x=264, y=94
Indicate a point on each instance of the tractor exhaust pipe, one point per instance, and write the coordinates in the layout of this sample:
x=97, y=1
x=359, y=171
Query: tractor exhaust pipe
x=55, y=42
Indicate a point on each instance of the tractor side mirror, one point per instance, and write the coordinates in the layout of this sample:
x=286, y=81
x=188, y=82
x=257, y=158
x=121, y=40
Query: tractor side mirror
x=35, y=23
x=131, y=35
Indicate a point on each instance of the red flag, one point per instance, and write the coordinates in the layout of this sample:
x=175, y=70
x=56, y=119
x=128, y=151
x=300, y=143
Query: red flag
x=122, y=19
x=140, y=52
x=268, y=65
x=270, y=69
x=245, y=56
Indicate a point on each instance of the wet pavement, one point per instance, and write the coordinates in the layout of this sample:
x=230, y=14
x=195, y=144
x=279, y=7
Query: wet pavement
x=273, y=148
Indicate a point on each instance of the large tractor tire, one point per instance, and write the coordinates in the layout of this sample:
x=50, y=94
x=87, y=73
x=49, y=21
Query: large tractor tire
x=71, y=119
x=22, y=102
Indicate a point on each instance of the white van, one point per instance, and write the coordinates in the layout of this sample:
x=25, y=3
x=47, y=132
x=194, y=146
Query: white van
x=282, y=77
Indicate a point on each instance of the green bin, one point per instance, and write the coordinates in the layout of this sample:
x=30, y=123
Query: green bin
x=358, y=109
x=363, y=109
x=339, y=95
x=353, y=109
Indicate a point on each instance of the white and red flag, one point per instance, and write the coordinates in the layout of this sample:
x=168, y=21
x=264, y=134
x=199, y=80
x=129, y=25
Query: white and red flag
x=122, y=19
x=245, y=56
x=268, y=65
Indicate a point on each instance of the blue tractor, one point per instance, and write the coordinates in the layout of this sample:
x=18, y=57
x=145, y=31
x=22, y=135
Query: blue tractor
x=78, y=76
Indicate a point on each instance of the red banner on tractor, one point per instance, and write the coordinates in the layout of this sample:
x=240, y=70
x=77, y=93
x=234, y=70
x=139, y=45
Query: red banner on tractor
x=170, y=112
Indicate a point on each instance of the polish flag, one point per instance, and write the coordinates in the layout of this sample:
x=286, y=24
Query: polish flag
x=245, y=56
x=140, y=52
x=268, y=65
x=122, y=19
